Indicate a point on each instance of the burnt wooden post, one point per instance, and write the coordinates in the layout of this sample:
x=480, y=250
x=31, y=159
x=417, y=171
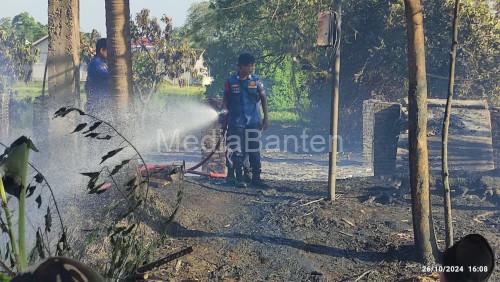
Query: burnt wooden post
x=332, y=170
x=329, y=34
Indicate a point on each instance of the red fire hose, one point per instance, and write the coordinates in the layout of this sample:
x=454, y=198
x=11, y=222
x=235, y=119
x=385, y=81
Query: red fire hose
x=192, y=170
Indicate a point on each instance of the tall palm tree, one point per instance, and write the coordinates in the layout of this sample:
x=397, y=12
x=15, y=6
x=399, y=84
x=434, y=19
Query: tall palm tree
x=119, y=52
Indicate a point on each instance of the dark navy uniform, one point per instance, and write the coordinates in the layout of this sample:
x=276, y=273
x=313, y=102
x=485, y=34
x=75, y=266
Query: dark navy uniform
x=244, y=122
x=97, y=85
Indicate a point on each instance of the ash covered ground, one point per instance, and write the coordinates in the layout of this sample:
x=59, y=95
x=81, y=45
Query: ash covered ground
x=286, y=233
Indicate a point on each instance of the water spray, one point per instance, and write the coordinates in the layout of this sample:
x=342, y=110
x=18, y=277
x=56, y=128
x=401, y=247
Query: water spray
x=222, y=118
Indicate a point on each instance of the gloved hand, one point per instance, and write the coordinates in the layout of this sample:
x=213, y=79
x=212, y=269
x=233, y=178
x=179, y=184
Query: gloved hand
x=223, y=116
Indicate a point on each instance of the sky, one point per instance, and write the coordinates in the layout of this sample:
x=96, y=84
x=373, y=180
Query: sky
x=92, y=14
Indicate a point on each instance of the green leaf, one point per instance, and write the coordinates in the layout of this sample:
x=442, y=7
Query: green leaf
x=111, y=154
x=62, y=112
x=7, y=252
x=107, y=137
x=91, y=174
x=117, y=168
x=80, y=127
x=4, y=278
x=39, y=178
x=3, y=226
x=14, y=165
x=92, y=135
x=93, y=127
x=31, y=189
x=38, y=249
x=48, y=220
x=38, y=200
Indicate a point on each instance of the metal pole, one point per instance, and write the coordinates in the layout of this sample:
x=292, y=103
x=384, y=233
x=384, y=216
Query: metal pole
x=332, y=173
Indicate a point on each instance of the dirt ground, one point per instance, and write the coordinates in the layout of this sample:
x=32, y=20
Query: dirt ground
x=289, y=233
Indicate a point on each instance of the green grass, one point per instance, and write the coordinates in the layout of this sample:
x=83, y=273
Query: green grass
x=169, y=89
x=28, y=91
x=31, y=90
x=284, y=117
x=91, y=238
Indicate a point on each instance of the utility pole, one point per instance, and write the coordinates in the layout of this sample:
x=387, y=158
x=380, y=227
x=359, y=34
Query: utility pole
x=332, y=170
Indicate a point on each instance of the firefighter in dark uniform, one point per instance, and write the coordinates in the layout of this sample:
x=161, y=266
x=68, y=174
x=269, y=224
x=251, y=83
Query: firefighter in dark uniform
x=244, y=94
x=97, y=84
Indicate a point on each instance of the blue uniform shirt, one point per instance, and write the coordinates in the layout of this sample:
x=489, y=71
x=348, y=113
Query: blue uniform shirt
x=243, y=98
x=97, y=77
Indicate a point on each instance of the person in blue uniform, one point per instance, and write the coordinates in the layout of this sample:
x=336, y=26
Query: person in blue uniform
x=97, y=85
x=244, y=95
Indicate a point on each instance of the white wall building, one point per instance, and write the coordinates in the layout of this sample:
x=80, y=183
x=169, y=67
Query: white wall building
x=42, y=45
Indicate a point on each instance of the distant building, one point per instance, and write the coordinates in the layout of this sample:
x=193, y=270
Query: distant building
x=203, y=71
x=42, y=45
x=203, y=77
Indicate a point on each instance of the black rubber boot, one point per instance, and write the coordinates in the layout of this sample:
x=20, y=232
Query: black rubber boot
x=240, y=182
x=257, y=181
x=247, y=175
x=230, y=179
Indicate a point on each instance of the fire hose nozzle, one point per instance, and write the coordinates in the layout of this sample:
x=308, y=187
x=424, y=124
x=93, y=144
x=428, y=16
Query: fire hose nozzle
x=223, y=112
x=223, y=116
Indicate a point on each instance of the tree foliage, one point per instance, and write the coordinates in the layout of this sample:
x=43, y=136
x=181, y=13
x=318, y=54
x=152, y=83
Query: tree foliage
x=87, y=43
x=373, y=47
x=160, y=52
x=26, y=26
x=16, y=56
x=285, y=82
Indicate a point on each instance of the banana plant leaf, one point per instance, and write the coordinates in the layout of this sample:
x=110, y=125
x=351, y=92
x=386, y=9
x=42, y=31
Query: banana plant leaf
x=14, y=165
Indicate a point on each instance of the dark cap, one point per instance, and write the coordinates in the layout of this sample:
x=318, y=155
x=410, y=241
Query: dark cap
x=246, y=59
x=474, y=254
x=101, y=44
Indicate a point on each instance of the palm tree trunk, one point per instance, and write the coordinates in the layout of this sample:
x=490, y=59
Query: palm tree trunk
x=63, y=62
x=119, y=52
x=419, y=163
x=446, y=126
